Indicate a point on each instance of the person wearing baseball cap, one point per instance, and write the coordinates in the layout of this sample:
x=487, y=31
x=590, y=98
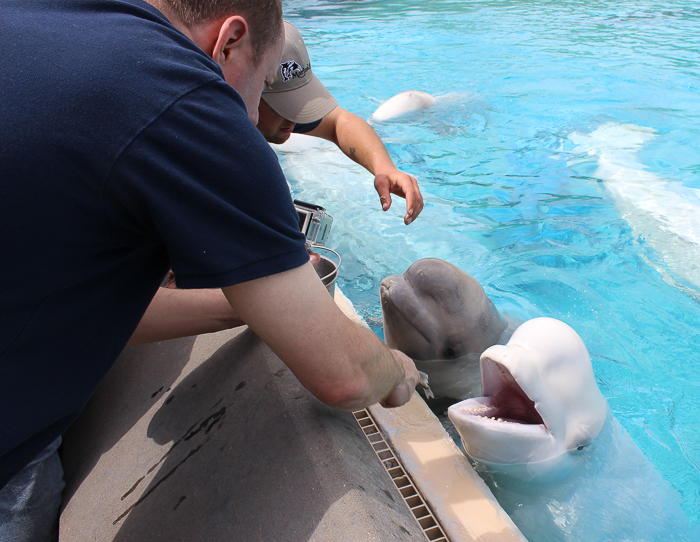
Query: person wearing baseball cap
x=297, y=102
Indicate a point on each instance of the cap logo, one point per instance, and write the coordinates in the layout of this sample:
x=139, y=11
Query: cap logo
x=292, y=69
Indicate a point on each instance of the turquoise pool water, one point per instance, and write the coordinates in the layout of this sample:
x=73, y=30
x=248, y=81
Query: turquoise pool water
x=560, y=166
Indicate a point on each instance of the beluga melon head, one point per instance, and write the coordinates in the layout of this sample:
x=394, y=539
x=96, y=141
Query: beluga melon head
x=440, y=316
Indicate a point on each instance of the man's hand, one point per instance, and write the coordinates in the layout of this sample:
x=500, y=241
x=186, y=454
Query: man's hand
x=314, y=257
x=403, y=185
x=361, y=144
x=403, y=392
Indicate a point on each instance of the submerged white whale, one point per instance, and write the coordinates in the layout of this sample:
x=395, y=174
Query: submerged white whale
x=663, y=212
x=556, y=459
x=401, y=103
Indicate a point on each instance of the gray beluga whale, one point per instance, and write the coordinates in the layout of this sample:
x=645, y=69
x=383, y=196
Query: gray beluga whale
x=545, y=441
x=440, y=316
x=401, y=103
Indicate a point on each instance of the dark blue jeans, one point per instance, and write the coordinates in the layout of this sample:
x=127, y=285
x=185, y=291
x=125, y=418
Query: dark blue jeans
x=30, y=502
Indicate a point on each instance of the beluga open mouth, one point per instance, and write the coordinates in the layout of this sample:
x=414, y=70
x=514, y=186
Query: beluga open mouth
x=551, y=451
x=504, y=400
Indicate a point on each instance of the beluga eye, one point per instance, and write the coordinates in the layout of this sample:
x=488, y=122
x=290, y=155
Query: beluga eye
x=452, y=352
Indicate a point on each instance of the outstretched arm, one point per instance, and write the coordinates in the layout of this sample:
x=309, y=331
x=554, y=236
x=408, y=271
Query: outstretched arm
x=343, y=364
x=177, y=313
x=360, y=143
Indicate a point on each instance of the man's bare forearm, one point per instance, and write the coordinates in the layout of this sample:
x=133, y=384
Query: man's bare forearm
x=356, y=139
x=401, y=390
x=343, y=364
x=371, y=372
x=361, y=143
x=177, y=313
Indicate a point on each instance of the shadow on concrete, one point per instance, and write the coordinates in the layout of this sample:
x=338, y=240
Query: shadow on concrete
x=136, y=381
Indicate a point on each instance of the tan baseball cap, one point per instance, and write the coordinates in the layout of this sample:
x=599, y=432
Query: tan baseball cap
x=297, y=94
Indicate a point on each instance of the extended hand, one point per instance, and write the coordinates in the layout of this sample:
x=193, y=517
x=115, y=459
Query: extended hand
x=402, y=393
x=403, y=185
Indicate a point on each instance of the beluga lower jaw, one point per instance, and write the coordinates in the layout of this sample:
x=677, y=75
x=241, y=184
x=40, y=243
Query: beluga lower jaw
x=505, y=420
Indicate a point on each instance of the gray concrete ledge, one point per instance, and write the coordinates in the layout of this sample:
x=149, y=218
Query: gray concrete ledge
x=213, y=439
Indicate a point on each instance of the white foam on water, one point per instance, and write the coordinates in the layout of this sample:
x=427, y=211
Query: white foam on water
x=320, y=171
x=662, y=212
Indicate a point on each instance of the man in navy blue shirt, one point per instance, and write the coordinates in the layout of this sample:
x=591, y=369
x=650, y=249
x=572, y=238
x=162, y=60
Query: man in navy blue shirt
x=295, y=94
x=297, y=102
x=126, y=152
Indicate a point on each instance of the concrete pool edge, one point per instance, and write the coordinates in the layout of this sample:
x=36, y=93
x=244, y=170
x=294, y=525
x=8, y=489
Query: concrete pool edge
x=221, y=442
x=461, y=502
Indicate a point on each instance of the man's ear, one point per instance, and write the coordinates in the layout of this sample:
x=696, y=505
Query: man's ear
x=233, y=34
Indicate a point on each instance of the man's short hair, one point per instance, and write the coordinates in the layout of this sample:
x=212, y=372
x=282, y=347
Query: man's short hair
x=264, y=17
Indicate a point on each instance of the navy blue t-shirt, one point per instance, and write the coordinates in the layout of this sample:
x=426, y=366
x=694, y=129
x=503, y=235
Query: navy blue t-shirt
x=123, y=153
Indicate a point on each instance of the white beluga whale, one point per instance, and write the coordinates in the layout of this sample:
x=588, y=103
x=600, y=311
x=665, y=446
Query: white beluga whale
x=541, y=401
x=545, y=441
x=440, y=316
x=663, y=212
x=402, y=103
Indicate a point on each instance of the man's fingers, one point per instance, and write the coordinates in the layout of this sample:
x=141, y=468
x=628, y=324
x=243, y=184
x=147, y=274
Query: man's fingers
x=402, y=185
x=414, y=200
x=417, y=199
x=403, y=392
x=385, y=201
x=314, y=257
x=383, y=187
x=410, y=209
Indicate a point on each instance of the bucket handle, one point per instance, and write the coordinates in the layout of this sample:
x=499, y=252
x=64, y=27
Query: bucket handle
x=337, y=269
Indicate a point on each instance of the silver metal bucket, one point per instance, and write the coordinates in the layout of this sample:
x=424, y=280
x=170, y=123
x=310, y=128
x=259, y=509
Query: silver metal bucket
x=327, y=269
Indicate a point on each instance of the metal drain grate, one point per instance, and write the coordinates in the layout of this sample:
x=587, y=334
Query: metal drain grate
x=425, y=518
